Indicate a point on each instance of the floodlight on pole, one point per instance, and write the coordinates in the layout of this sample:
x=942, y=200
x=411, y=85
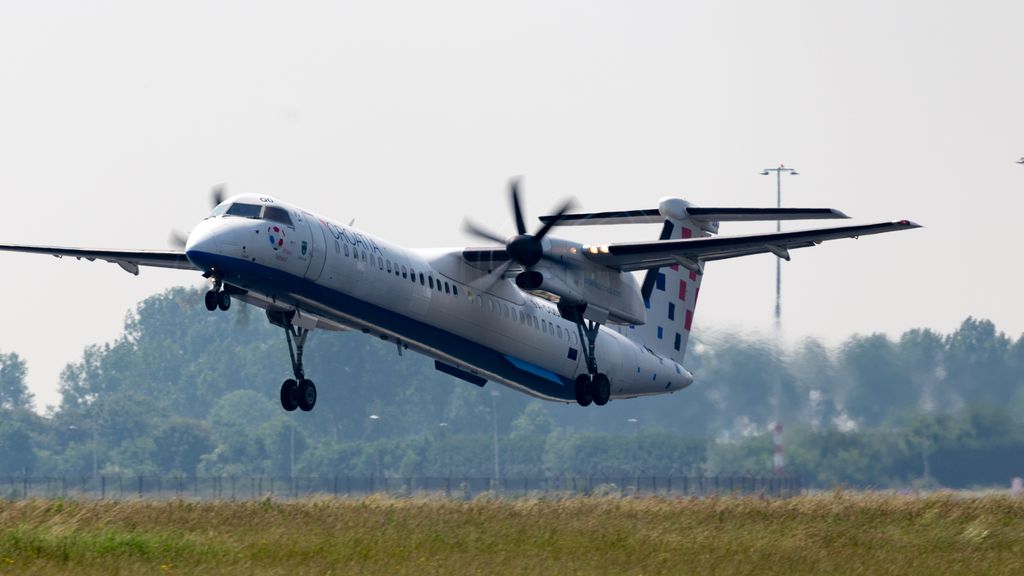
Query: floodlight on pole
x=494, y=420
x=778, y=228
x=376, y=430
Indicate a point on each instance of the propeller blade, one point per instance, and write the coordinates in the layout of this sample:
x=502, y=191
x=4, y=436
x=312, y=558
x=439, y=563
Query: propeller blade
x=485, y=282
x=568, y=205
x=178, y=239
x=217, y=194
x=513, y=188
x=479, y=232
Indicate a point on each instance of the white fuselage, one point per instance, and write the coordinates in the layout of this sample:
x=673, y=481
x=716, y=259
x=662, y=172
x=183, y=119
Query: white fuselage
x=336, y=277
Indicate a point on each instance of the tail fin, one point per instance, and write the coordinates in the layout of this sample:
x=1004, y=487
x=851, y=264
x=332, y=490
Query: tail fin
x=670, y=295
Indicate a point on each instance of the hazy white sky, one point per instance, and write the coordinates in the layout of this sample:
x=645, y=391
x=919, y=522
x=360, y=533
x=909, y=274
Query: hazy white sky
x=117, y=117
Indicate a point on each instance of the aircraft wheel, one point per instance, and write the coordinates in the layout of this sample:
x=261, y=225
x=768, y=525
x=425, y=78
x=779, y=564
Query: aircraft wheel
x=307, y=395
x=583, y=396
x=601, y=389
x=223, y=300
x=211, y=300
x=289, y=395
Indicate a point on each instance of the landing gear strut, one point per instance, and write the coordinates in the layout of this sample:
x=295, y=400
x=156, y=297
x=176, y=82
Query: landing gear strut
x=300, y=392
x=594, y=386
x=218, y=297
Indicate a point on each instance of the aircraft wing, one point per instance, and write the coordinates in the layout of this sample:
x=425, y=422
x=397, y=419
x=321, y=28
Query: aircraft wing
x=692, y=251
x=128, y=260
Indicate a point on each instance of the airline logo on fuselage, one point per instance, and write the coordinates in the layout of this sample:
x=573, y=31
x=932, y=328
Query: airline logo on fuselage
x=353, y=238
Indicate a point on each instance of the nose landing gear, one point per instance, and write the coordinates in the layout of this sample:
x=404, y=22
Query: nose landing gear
x=218, y=297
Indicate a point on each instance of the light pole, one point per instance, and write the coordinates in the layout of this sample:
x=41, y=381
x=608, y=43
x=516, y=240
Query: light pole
x=443, y=426
x=778, y=228
x=636, y=451
x=94, y=456
x=778, y=308
x=376, y=451
x=494, y=420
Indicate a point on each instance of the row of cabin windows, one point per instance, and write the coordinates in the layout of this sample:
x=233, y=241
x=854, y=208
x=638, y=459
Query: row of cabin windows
x=453, y=289
x=405, y=273
x=525, y=319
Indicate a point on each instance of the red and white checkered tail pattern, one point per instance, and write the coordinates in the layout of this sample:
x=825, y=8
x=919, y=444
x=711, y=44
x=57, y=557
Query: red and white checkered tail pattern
x=673, y=297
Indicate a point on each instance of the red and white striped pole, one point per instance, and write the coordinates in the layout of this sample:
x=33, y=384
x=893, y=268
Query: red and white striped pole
x=778, y=460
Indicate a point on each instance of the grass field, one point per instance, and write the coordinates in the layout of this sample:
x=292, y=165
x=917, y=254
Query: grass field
x=841, y=533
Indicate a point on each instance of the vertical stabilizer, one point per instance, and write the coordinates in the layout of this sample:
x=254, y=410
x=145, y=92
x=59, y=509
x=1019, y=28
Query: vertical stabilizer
x=670, y=296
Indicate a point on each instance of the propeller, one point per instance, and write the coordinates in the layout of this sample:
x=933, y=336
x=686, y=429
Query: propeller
x=217, y=195
x=524, y=249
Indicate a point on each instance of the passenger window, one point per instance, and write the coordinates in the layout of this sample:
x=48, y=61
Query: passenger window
x=363, y=256
x=455, y=290
x=389, y=266
x=447, y=290
x=337, y=247
x=559, y=329
x=403, y=271
x=423, y=281
x=430, y=281
x=380, y=263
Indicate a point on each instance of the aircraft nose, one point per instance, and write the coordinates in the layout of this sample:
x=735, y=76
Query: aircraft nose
x=203, y=246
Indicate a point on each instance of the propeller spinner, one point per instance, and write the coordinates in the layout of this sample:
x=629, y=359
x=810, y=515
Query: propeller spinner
x=523, y=248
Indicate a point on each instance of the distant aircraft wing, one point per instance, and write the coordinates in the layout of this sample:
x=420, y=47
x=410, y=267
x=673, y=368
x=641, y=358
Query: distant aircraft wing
x=693, y=251
x=128, y=260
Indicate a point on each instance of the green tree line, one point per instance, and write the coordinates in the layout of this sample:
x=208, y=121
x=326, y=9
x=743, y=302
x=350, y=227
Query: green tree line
x=184, y=391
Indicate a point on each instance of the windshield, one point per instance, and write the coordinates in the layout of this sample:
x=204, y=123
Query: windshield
x=244, y=210
x=254, y=211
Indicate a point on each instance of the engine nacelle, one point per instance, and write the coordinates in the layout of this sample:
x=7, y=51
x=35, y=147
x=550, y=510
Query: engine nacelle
x=609, y=295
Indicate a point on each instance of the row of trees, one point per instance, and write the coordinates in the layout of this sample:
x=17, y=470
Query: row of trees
x=185, y=391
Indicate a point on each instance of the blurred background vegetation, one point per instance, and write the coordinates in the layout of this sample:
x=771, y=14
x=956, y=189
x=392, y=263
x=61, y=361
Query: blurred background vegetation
x=186, y=392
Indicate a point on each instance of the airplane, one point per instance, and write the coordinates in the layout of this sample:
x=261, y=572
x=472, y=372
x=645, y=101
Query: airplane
x=552, y=318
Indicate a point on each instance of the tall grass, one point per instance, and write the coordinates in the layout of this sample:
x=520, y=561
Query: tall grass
x=829, y=534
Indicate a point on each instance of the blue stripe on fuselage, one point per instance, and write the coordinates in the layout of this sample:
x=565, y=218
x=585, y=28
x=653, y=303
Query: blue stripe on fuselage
x=279, y=284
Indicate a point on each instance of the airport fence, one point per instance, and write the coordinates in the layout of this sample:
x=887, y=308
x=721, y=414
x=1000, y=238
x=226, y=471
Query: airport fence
x=212, y=488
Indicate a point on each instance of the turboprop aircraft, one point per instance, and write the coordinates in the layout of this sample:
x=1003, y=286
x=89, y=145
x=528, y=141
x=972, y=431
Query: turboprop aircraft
x=552, y=318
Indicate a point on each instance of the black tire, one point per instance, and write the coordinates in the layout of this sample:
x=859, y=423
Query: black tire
x=223, y=300
x=307, y=395
x=601, y=389
x=289, y=395
x=583, y=397
x=211, y=300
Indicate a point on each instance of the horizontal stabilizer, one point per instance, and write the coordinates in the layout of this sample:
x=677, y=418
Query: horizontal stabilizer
x=654, y=216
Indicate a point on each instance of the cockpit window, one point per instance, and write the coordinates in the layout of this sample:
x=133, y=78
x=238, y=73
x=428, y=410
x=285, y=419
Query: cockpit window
x=272, y=213
x=275, y=214
x=220, y=209
x=244, y=210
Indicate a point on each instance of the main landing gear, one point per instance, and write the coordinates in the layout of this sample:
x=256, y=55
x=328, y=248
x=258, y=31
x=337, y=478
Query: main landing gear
x=299, y=392
x=592, y=387
x=218, y=297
